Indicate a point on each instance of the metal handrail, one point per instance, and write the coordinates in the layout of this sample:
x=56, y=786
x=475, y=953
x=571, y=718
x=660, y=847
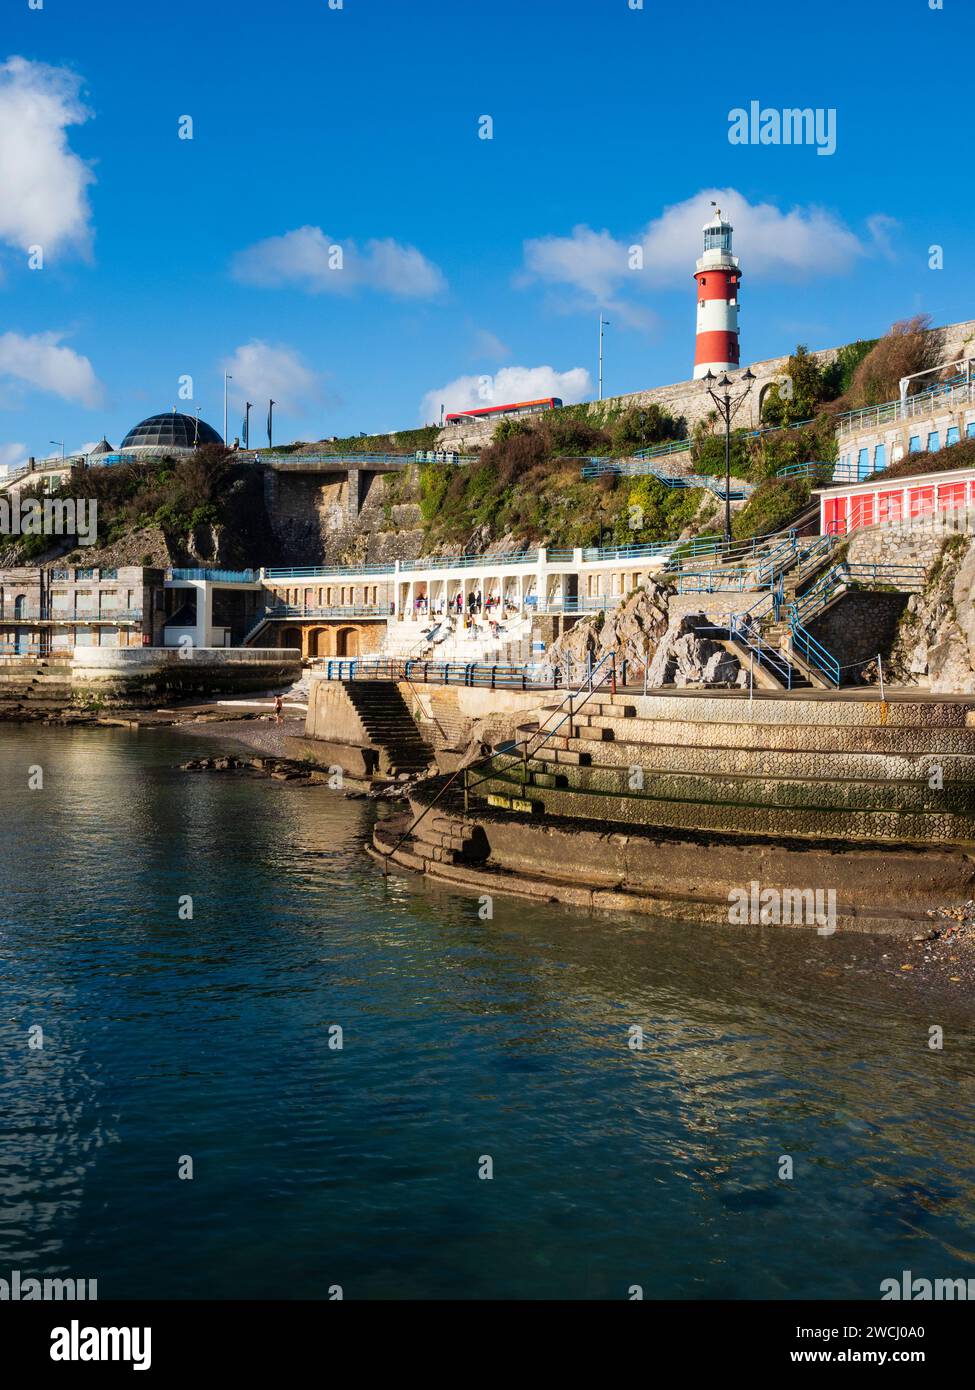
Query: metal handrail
x=957, y=390
x=464, y=771
x=810, y=469
x=816, y=599
x=767, y=654
x=813, y=651
x=215, y=576
x=599, y=467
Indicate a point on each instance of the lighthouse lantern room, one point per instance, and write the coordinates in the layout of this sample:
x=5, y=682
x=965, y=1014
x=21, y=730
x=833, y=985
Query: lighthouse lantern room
x=718, y=283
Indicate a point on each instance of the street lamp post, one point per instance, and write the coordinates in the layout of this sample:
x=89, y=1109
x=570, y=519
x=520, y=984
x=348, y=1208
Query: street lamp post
x=248, y=407
x=226, y=377
x=728, y=405
x=603, y=324
x=60, y=444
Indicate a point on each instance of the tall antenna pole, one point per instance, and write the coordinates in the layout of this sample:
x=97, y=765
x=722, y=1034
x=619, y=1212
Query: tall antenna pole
x=603, y=323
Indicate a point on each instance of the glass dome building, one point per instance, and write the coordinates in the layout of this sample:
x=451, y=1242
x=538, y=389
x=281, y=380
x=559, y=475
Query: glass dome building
x=172, y=433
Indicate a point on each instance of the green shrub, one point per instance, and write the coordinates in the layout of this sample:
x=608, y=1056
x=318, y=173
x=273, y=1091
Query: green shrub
x=640, y=427
x=773, y=505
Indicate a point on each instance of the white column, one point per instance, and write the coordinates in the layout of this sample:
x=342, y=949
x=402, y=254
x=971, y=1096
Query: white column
x=203, y=633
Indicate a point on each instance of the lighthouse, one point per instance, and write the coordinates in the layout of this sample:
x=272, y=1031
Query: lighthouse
x=718, y=281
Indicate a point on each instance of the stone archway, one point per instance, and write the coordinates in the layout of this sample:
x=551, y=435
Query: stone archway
x=291, y=637
x=320, y=642
x=347, y=642
x=763, y=391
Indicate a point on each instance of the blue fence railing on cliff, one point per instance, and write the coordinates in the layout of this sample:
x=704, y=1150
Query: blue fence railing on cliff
x=673, y=552
x=599, y=467
x=215, y=576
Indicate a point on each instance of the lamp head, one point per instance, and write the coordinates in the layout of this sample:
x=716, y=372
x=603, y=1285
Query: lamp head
x=725, y=380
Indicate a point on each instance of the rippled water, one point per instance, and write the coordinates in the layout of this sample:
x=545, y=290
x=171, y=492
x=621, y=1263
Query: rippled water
x=313, y=1167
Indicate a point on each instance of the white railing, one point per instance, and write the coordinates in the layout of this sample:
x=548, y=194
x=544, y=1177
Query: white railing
x=927, y=403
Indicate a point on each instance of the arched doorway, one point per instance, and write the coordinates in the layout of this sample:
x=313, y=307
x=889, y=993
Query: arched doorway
x=763, y=394
x=321, y=641
x=291, y=637
x=347, y=642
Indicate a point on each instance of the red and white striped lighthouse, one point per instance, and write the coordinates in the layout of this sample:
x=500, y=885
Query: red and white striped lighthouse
x=718, y=282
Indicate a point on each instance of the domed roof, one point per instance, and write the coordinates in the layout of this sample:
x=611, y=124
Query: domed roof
x=172, y=430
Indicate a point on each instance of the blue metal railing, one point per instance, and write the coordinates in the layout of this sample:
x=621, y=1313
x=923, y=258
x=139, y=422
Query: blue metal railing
x=812, y=651
x=743, y=629
x=465, y=673
x=340, y=460
x=660, y=451
x=215, y=576
x=630, y=468
x=813, y=469
x=335, y=610
x=518, y=557
x=675, y=550
x=299, y=572
x=81, y=619
x=445, y=456
x=678, y=446
x=842, y=575
x=958, y=388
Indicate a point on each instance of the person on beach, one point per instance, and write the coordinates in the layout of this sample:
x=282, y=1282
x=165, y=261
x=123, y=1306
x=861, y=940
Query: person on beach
x=278, y=707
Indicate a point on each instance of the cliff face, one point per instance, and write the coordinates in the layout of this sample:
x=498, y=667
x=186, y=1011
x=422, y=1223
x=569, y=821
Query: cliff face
x=309, y=519
x=935, y=646
x=643, y=632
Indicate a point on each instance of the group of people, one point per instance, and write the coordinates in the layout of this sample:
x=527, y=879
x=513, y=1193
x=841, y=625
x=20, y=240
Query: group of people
x=490, y=610
x=491, y=606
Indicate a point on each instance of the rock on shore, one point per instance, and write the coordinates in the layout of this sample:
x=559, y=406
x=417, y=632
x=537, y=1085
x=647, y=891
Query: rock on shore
x=643, y=633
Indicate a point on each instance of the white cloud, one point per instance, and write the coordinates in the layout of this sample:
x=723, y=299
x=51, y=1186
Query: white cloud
x=506, y=386
x=881, y=228
x=773, y=245
x=309, y=260
x=488, y=344
x=263, y=371
x=41, y=363
x=44, y=185
x=12, y=457
x=588, y=260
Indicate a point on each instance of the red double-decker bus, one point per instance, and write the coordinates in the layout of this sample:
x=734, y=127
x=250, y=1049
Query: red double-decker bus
x=501, y=412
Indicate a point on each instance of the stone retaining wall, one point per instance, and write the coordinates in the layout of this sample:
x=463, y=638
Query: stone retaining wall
x=150, y=675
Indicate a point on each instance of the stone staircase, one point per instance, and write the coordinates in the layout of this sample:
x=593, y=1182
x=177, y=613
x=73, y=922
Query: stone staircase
x=796, y=675
x=38, y=685
x=856, y=771
x=389, y=726
x=443, y=836
x=404, y=639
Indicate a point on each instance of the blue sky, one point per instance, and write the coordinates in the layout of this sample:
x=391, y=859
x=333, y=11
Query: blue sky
x=462, y=258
